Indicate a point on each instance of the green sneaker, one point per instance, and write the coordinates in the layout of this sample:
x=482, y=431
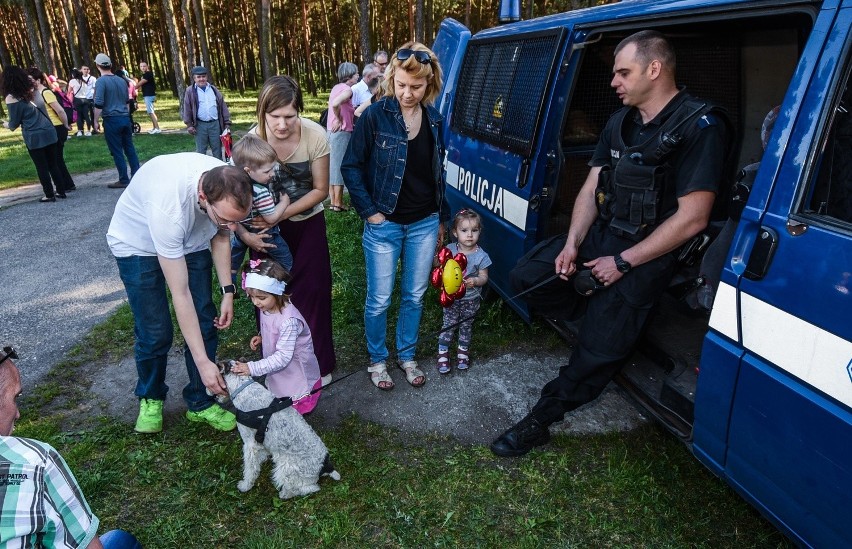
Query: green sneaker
x=150, y=418
x=215, y=416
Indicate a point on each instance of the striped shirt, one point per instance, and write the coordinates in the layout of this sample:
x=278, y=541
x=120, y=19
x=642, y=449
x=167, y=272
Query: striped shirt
x=41, y=504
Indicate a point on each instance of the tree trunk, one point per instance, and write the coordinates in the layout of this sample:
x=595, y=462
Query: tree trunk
x=263, y=16
x=418, y=22
x=47, y=44
x=198, y=6
x=411, y=35
x=174, y=46
x=191, y=59
x=83, y=38
x=112, y=45
x=364, y=26
x=33, y=35
x=309, y=73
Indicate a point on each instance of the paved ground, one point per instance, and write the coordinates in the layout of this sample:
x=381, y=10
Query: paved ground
x=59, y=280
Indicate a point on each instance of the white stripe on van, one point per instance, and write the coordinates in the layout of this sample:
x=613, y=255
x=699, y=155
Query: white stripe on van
x=723, y=317
x=807, y=352
x=496, y=199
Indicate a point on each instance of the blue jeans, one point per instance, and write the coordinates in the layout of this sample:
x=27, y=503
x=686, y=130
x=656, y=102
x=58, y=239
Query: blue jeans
x=146, y=291
x=280, y=253
x=384, y=243
x=119, y=137
x=119, y=539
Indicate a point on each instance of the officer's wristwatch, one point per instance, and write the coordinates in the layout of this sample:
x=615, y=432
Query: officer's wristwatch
x=229, y=289
x=621, y=265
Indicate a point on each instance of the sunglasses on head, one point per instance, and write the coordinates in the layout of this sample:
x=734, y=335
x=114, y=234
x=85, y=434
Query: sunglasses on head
x=422, y=56
x=8, y=352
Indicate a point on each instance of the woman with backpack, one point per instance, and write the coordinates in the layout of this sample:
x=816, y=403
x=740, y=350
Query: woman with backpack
x=48, y=102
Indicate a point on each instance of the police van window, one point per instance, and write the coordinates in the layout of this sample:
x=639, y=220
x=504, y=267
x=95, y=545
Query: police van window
x=830, y=194
x=501, y=89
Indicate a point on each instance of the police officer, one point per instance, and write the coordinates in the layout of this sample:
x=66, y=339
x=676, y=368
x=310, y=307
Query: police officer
x=639, y=204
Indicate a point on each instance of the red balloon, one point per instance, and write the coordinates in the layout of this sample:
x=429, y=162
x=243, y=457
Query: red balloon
x=445, y=299
x=461, y=259
x=444, y=255
x=437, y=274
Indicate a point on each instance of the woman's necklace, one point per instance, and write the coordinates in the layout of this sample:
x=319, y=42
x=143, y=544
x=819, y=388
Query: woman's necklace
x=409, y=123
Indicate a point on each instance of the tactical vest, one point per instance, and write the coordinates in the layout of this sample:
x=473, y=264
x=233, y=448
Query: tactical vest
x=636, y=191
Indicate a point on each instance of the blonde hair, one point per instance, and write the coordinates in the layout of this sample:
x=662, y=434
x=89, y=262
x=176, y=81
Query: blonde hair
x=252, y=152
x=431, y=71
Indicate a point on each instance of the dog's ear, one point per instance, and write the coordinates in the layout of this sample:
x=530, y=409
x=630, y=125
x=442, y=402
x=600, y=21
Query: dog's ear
x=224, y=366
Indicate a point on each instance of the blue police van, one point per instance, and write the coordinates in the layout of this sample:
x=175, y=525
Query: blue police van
x=759, y=387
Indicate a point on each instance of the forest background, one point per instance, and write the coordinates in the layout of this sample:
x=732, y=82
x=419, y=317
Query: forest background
x=242, y=43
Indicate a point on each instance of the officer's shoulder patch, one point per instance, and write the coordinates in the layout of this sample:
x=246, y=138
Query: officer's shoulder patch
x=708, y=119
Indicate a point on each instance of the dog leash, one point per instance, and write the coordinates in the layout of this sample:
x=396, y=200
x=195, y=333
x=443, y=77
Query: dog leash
x=442, y=330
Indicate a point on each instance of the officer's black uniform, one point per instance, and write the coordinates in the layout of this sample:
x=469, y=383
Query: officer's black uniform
x=615, y=316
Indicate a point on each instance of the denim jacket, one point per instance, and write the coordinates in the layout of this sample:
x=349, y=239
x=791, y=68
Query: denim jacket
x=374, y=162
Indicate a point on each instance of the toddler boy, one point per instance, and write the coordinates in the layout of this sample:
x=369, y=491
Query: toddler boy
x=258, y=159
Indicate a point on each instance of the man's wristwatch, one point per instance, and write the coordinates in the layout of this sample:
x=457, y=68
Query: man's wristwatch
x=229, y=289
x=621, y=265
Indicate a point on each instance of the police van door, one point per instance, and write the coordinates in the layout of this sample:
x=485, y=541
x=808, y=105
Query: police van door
x=498, y=106
x=449, y=47
x=786, y=297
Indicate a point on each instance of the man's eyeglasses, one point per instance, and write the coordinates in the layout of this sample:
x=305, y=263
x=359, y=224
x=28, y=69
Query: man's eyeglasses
x=226, y=224
x=422, y=56
x=8, y=353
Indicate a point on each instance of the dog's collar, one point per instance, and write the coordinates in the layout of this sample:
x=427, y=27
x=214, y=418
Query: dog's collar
x=240, y=388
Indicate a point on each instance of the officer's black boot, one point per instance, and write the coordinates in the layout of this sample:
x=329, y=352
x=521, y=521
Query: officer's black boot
x=520, y=439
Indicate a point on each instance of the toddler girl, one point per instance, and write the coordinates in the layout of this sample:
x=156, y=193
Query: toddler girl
x=466, y=228
x=288, y=361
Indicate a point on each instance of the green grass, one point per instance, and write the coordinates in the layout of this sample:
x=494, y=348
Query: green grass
x=178, y=488
x=88, y=154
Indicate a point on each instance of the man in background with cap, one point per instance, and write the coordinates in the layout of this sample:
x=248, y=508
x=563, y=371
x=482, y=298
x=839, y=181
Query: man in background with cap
x=205, y=114
x=111, y=95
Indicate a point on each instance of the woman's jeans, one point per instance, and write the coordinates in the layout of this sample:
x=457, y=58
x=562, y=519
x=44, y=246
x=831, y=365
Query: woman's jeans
x=384, y=244
x=119, y=539
x=146, y=291
x=47, y=168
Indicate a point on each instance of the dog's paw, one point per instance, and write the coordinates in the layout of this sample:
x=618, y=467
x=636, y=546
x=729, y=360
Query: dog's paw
x=244, y=486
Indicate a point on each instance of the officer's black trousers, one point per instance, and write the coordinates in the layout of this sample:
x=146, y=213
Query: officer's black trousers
x=613, y=322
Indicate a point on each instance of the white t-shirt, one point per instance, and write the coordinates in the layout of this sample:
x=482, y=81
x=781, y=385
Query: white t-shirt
x=158, y=213
x=360, y=93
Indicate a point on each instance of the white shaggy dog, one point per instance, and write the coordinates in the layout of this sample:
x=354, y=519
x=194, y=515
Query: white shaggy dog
x=300, y=458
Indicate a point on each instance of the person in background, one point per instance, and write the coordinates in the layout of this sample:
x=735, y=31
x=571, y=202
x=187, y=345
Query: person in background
x=149, y=93
x=380, y=59
x=404, y=208
x=341, y=122
x=43, y=505
x=36, y=128
x=48, y=102
x=361, y=90
x=79, y=87
x=111, y=97
x=205, y=113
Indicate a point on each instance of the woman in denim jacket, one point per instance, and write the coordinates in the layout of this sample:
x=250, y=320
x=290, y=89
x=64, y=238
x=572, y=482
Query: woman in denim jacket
x=393, y=170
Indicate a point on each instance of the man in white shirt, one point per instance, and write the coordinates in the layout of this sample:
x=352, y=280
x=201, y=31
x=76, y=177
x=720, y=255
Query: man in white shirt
x=361, y=90
x=170, y=228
